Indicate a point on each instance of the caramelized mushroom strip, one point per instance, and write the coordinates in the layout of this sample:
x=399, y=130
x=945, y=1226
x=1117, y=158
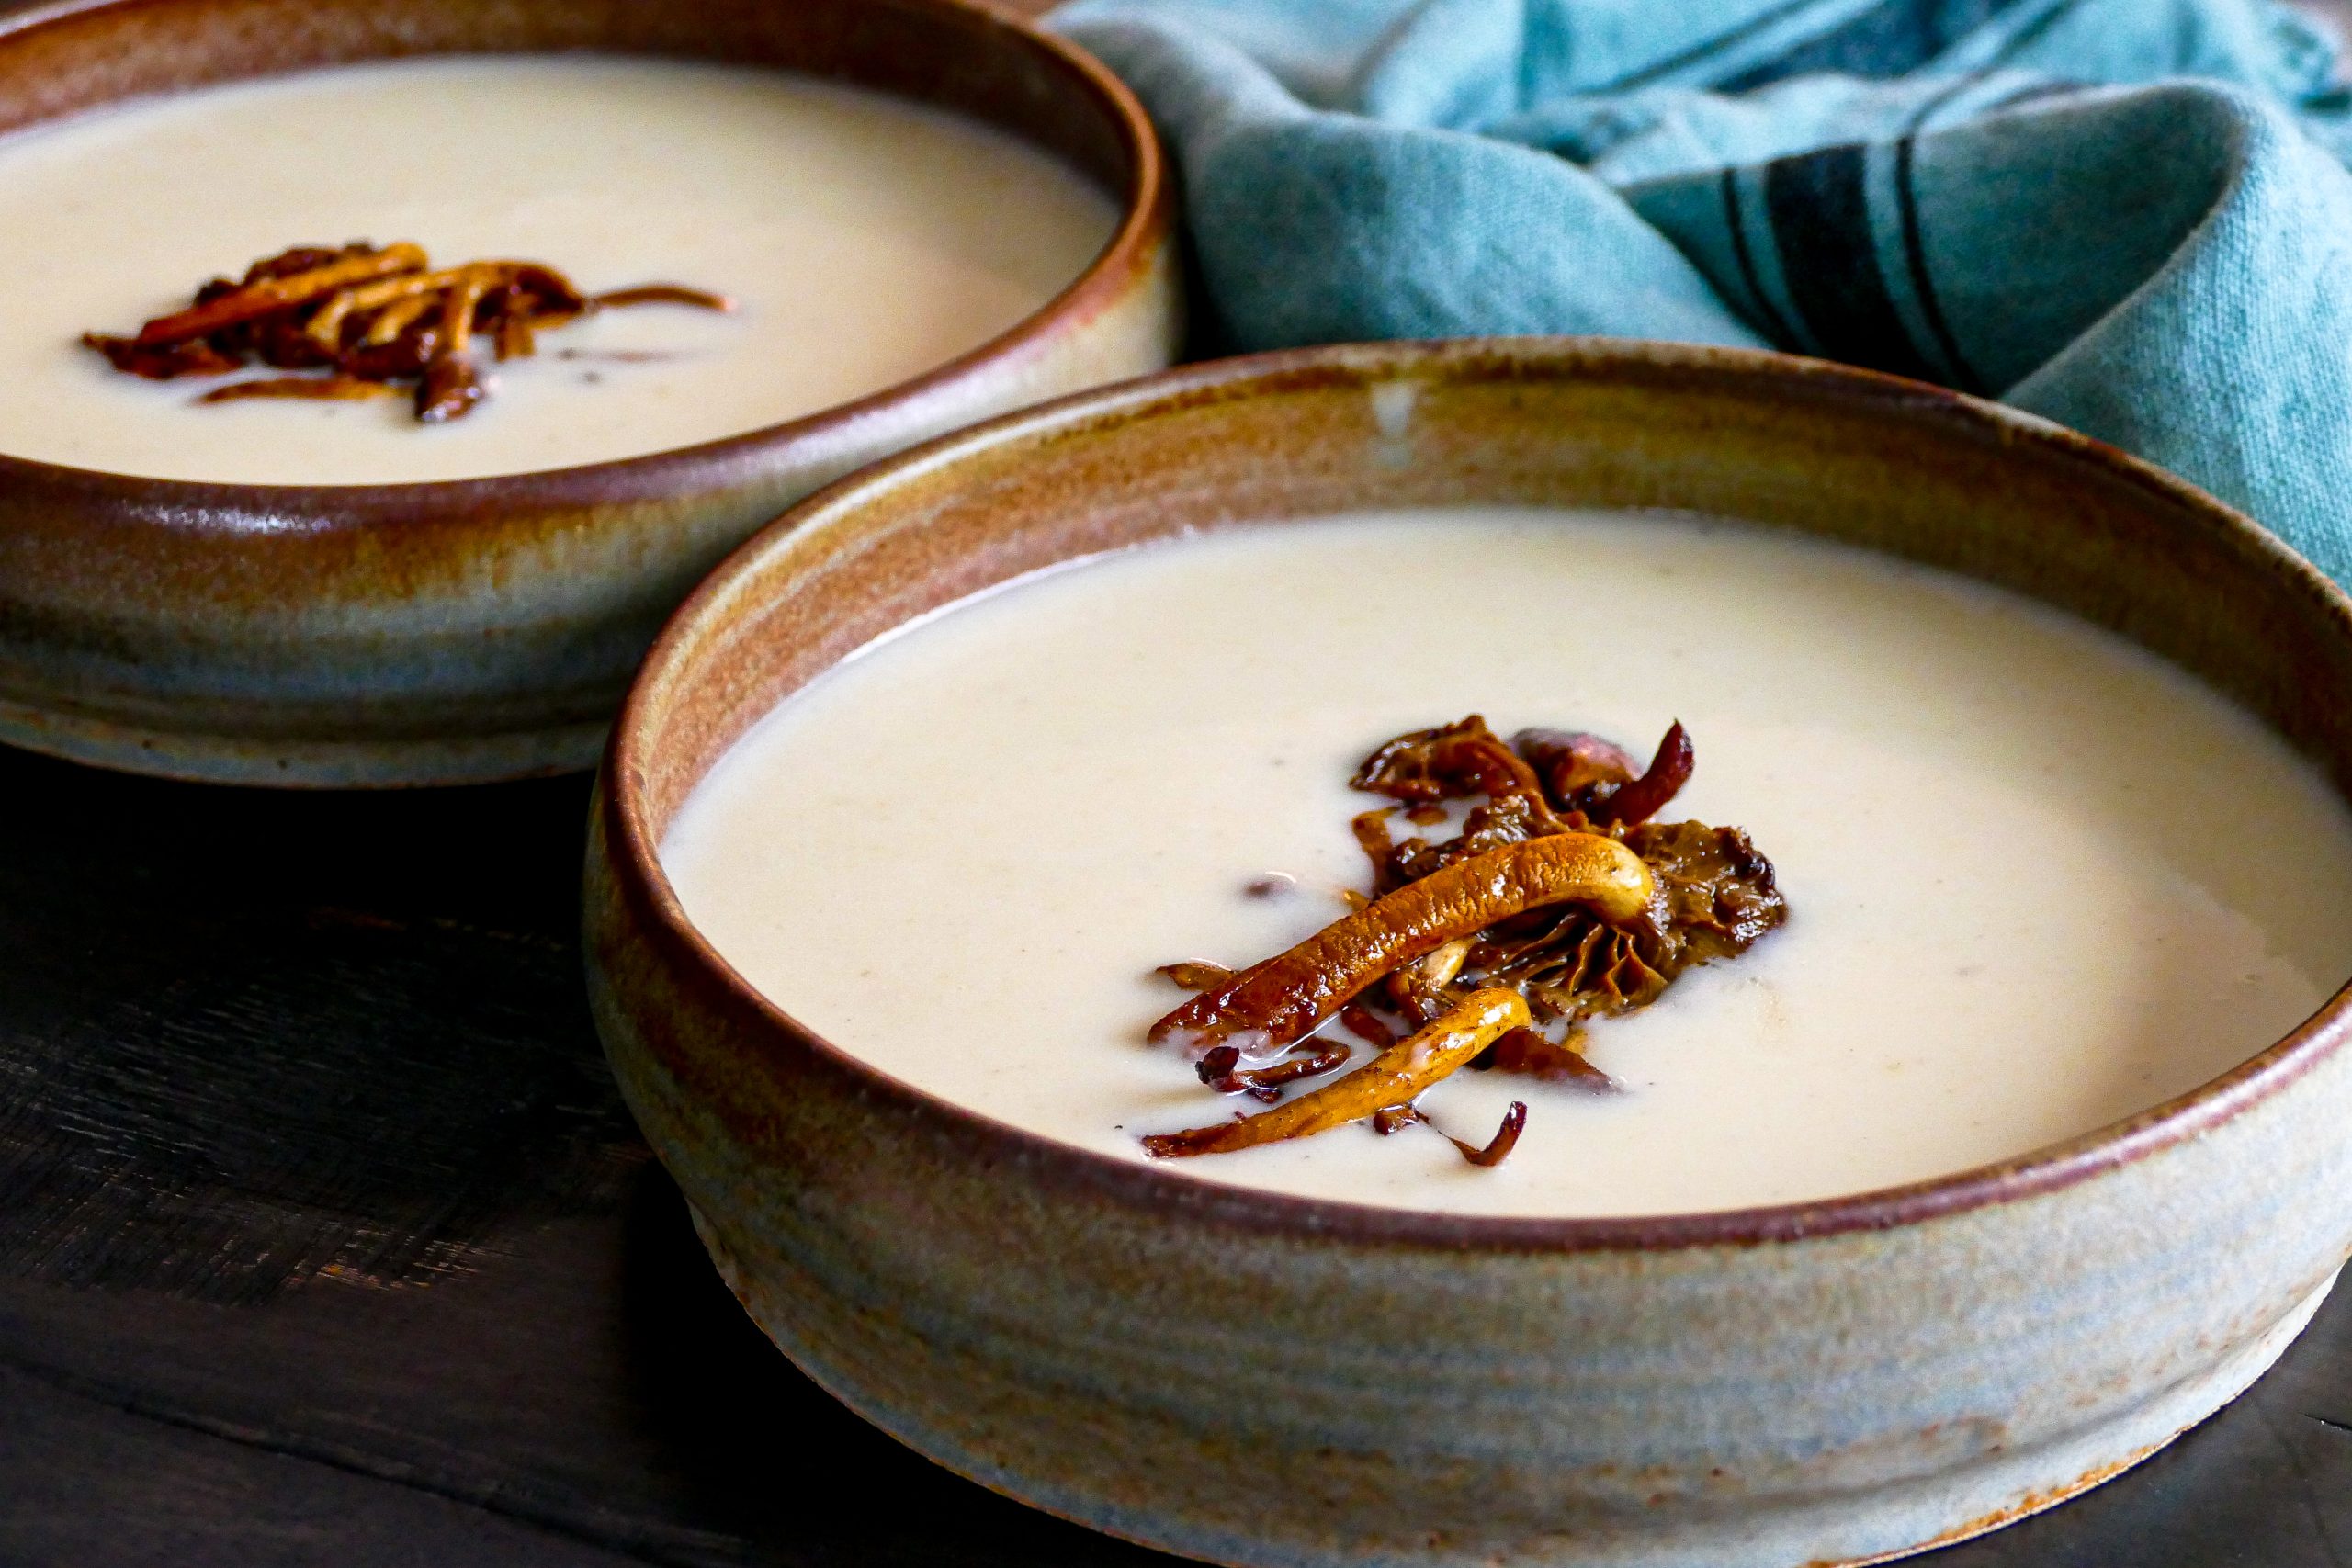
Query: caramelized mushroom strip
x=1290, y=994
x=273, y=294
x=1221, y=1069
x=1486, y=765
x=515, y=339
x=1194, y=974
x=325, y=329
x=314, y=388
x=1497, y=1149
x=1373, y=837
x=451, y=386
x=1530, y=1055
x=1367, y=1026
x=663, y=294
x=162, y=362
x=395, y=319
x=363, y=314
x=1418, y=990
x=1637, y=802
x=1459, y=759
x=466, y=291
x=1391, y=1078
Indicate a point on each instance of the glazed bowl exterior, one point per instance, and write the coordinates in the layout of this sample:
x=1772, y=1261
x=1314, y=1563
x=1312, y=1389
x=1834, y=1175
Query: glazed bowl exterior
x=453, y=631
x=1254, y=1379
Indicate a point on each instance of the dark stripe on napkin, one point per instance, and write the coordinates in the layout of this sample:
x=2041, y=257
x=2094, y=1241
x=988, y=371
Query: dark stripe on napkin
x=1699, y=52
x=1961, y=374
x=1764, y=315
x=1821, y=226
x=1890, y=40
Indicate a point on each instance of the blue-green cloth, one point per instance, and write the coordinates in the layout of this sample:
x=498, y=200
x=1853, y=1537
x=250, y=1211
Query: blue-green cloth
x=2129, y=216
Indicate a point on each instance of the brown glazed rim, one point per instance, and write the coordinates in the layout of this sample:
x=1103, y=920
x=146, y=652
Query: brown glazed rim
x=1146, y=222
x=983, y=1138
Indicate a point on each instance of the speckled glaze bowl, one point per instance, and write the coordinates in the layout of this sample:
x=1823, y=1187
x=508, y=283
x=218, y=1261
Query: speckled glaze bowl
x=454, y=631
x=1825, y=1384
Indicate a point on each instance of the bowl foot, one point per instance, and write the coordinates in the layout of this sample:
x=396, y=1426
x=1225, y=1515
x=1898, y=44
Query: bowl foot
x=304, y=765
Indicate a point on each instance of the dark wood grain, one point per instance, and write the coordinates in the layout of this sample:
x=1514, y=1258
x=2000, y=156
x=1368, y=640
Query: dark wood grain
x=325, y=1236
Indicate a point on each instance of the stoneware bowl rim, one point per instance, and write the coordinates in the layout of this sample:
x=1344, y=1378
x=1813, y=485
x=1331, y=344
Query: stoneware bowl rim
x=2050, y=1167
x=1146, y=218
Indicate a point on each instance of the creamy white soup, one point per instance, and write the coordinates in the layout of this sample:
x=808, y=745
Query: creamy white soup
x=866, y=239
x=2038, y=880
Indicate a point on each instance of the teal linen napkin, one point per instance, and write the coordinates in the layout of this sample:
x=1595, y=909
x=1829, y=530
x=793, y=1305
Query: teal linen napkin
x=2130, y=215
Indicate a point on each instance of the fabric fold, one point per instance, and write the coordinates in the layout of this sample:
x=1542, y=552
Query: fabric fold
x=2129, y=216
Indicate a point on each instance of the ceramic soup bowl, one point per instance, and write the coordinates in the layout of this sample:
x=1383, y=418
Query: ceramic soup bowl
x=481, y=629
x=1823, y=1383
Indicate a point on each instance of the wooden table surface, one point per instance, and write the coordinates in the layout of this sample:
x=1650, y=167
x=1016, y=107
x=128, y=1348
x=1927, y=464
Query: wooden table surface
x=324, y=1236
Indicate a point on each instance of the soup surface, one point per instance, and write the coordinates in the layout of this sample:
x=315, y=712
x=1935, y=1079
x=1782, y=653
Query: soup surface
x=866, y=239
x=2038, y=879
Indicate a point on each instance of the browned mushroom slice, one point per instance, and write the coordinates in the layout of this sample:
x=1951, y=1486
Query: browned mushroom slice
x=1291, y=994
x=1392, y=1078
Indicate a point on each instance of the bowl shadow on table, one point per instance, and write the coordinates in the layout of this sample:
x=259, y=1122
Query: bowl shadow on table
x=248, y=1039
x=767, y=1456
